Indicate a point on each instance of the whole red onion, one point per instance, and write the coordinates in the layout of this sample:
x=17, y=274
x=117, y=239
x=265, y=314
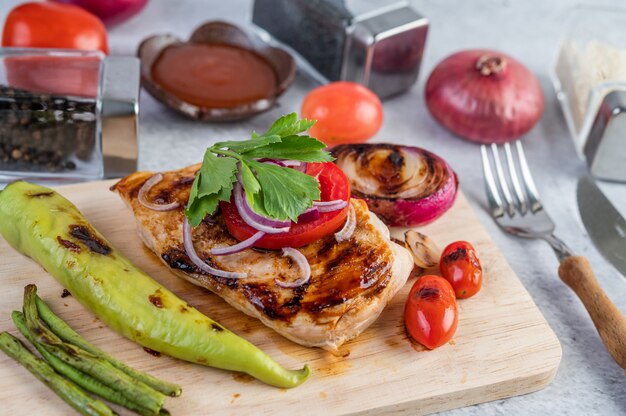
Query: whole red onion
x=484, y=96
x=111, y=12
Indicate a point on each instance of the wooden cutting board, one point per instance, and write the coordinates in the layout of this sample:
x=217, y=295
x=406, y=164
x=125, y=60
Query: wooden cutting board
x=503, y=346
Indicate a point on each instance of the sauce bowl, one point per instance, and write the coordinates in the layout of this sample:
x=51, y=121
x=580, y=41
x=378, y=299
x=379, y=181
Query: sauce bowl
x=217, y=33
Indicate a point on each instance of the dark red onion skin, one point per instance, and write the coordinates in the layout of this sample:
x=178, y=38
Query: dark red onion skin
x=398, y=212
x=111, y=12
x=494, y=108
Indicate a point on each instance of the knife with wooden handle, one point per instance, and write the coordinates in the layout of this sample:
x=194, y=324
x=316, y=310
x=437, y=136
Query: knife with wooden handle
x=576, y=272
x=604, y=224
x=607, y=229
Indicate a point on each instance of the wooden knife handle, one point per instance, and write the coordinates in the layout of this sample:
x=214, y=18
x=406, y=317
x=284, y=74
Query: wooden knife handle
x=576, y=272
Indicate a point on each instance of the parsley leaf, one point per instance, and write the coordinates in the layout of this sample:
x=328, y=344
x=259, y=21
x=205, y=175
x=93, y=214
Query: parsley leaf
x=273, y=191
x=288, y=125
x=303, y=148
x=253, y=189
x=213, y=183
x=247, y=145
x=287, y=193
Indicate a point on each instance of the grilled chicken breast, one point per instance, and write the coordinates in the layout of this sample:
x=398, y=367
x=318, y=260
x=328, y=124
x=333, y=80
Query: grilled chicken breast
x=351, y=282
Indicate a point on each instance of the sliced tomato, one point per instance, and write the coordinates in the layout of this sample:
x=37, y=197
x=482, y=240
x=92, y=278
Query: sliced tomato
x=334, y=185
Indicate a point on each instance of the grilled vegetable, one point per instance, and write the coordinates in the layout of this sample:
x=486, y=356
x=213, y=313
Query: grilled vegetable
x=69, y=392
x=85, y=362
x=48, y=228
x=67, y=334
x=403, y=185
x=431, y=313
x=79, y=378
x=460, y=266
x=424, y=250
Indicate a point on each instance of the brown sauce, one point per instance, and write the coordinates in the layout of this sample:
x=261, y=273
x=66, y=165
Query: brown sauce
x=214, y=76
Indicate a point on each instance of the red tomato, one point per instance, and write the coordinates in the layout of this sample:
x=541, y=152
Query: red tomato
x=346, y=112
x=333, y=185
x=460, y=266
x=430, y=313
x=52, y=25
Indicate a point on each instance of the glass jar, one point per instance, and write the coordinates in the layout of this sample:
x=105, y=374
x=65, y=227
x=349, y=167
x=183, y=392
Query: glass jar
x=590, y=64
x=67, y=115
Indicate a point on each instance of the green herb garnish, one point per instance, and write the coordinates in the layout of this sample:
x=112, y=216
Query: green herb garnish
x=273, y=191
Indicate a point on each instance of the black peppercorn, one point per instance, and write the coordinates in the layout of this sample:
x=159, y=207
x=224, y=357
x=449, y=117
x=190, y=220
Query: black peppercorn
x=43, y=132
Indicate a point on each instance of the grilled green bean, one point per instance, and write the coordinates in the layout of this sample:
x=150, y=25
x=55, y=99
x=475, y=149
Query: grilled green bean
x=81, y=379
x=99, y=369
x=69, y=392
x=67, y=334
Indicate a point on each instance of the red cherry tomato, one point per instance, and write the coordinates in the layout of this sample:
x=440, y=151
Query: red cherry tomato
x=333, y=185
x=431, y=313
x=346, y=112
x=460, y=266
x=52, y=25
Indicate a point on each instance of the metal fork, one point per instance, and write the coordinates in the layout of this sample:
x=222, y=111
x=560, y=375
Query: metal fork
x=521, y=213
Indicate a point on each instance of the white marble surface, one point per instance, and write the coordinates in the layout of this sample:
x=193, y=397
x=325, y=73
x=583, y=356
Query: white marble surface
x=588, y=381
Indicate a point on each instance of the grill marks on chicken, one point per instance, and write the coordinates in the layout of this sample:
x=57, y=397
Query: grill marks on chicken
x=351, y=282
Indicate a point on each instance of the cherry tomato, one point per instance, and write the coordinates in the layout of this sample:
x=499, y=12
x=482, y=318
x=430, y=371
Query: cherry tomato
x=333, y=185
x=52, y=25
x=431, y=313
x=460, y=266
x=346, y=112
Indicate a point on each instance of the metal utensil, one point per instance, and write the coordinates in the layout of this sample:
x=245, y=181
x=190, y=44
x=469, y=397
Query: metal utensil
x=521, y=213
x=377, y=44
x=605, y=225
x=604, y=147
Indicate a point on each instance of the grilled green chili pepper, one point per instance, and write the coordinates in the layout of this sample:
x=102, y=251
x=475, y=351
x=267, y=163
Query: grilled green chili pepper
x=43, y=225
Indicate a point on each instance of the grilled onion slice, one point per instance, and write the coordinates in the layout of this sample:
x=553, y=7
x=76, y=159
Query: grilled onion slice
x=404, y=185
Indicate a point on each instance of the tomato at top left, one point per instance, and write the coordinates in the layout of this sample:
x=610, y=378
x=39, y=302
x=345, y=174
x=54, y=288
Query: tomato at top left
x=52, y=25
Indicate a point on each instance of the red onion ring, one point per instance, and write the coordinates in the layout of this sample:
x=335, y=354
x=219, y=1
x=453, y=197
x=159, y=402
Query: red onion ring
x=329, y=206
x=195, y=259
x=145, y=189
x=309, y=215
x=348, y=228
x=327, y=203
x=292, y=163
x=275, y=162
x=296, y=165
x=254, y=220
x=240, y=246
x=302, y=263
x=285, y=163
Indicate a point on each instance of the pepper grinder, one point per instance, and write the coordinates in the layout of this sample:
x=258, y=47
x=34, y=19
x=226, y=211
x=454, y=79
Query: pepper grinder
x=377, y=44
